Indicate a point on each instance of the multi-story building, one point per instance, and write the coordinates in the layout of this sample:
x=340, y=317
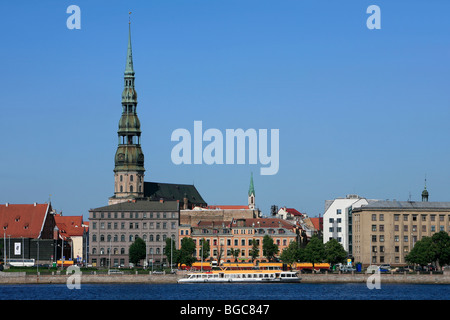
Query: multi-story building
x=337, y=220
x=115, y=227
x=386, y=231
x=225, y=236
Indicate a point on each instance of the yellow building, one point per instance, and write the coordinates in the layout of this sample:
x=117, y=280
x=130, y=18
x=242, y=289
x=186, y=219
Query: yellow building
x=223, y=237
x=386, y=231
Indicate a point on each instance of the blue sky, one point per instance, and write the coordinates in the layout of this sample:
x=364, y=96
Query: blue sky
x=359, y=111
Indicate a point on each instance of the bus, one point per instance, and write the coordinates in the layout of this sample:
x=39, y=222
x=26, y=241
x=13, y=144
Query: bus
x=205, y=266
x=308, y=266
x=238, y=265
x=20, y=262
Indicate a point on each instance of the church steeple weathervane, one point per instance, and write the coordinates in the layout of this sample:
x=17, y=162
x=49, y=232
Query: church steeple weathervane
x=129, y=159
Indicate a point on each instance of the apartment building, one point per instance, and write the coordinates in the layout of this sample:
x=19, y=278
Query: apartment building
x=114, y=228
x=386, y=231
x=238, y=234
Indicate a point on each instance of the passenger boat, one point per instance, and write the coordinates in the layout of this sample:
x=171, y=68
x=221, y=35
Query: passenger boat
x=242, y=276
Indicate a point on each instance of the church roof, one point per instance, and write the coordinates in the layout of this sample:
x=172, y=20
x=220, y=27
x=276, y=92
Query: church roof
x=172, y=191
x=23, y=220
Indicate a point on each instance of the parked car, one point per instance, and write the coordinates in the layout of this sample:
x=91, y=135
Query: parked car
x=346, y=269
x=385, y=268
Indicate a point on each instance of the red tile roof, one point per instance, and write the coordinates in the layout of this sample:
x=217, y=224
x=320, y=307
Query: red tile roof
x=293, y=211
x=23, y=220
x=266, y=223
x=70, y=226
x=317, y=223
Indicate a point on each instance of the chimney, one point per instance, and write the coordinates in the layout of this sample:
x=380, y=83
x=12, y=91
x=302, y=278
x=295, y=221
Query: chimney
x=35, y=204
x=7, y=204
x=161, y=200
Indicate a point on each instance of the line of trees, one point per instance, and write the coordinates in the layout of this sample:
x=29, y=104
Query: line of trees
x=315, y=251
x=428, y=250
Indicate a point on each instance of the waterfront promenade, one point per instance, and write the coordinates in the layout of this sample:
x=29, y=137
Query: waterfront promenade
x=413, y=278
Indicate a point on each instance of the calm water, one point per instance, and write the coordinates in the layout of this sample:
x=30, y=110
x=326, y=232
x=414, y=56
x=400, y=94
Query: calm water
x=298, y=291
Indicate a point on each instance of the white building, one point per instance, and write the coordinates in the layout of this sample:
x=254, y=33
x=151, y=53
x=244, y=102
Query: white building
x=337, y=219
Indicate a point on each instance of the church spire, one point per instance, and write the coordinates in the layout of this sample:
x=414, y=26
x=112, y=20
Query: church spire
x=251, y=194
x=129, y=65
x=129, y=159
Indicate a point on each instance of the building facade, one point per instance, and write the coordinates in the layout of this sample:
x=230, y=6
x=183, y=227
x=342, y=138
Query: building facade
x=386, y=231
x=338, y=221
x=238, y=234
x=115, y=227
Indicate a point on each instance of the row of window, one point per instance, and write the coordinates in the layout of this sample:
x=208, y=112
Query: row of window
x=406, y=217
x=381, y=238
x=134, y=215
x=134, y=225
x=131, y=238
x=123, y=251
x=243, y=242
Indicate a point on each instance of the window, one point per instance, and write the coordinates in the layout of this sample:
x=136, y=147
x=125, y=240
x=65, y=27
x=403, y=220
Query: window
x=374, y=217
x=338, y=211
x=374, y=227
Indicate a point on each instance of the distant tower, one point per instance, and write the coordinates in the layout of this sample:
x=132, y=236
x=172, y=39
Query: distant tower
x=129, y=159
x=251, y=194
x=425, y=192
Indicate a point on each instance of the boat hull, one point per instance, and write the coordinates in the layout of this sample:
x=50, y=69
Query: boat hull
x=244, y=277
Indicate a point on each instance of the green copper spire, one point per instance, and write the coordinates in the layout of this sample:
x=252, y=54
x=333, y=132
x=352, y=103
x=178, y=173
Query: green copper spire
x=425, y=192
x=129, y=66
x=251, y=189
x=129, y=159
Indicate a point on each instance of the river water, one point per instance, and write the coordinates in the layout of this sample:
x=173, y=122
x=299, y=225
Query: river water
x=225, y=291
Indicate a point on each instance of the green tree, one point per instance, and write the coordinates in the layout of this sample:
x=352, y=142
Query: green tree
x=315, y=251
x=204, y=249
x=270, y=249
x=334, y=252
x=235, y=253
x=187, y=250
x=441, y=248
x=292, y=253
x=422, y=253
x=254, y=251
x=171, y=251
x=137, y=251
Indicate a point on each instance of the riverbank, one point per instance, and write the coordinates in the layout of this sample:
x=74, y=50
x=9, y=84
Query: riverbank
x=400, y=278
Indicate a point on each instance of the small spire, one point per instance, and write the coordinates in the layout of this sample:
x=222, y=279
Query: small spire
x=425, y=193
x=129, y=65
x=251, y=189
